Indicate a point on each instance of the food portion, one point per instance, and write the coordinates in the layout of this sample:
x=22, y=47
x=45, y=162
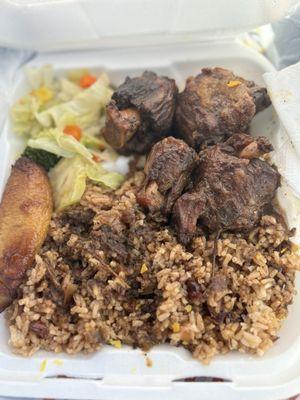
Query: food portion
x=61, y=101
x=230, y=190
x=108, y=273
x=61, y=120
x=141, y=111
x=25, y=214
x=215, y=104
x=190, y=250
x=168, y=170
x=75, y=165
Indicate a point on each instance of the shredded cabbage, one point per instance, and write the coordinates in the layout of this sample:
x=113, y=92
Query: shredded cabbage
x=40, y=76
x=94, y=142
x=68, y=179
x=23, y=116
x=57, y=142
x=56, y=103
x=68, y=90
x=83, y=110
x=41, y=116
x=23, y=113
x=75, y=74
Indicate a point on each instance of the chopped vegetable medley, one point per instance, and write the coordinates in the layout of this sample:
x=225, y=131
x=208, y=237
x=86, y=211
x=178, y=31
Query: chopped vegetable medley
x=61, y=119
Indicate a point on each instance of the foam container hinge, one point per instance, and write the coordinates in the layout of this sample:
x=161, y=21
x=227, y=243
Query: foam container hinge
x=117, y=374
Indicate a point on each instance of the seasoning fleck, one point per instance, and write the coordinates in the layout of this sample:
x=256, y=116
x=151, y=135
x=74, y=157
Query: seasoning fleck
x=233, y=84
x=149, y=362
x=188, y=308
x=144, y=269
x=58, y=362
x=43, y=365
x=116, y=343
x=176, y=327
x=44, y=94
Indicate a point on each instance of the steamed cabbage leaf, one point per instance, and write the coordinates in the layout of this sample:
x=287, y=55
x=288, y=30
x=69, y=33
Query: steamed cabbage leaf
x=23, y=116
x=68, y=179
x=56, y=142
x=94, y=142
x=40, y=76
x=23, y=113
x=83, y=110
x=54, y=102
x=42, y=115
x=68, y=90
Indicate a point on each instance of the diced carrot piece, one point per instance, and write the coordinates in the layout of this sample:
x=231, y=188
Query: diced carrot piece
x=87, y=81
x=101, y=146
x=96, y=158
x=73, y=130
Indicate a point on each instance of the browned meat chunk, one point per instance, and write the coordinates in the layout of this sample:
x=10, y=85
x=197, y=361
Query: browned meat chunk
x=194, y=292
x=39, y=328
x=230, y=190
x=245, y=146
x=217, y=288
x=216, y=104
x=112, y=241
x=141, y=111
x=167, y=169
x=260, y=96
x=121, y=125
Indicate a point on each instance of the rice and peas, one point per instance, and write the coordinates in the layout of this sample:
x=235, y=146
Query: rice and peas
x=107, y=274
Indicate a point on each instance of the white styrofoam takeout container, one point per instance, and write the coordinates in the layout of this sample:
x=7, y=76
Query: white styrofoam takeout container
x=113, y=374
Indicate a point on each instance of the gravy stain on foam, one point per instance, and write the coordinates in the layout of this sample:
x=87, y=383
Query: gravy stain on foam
x=58, y=362
x=281, y=95
x=148, y=361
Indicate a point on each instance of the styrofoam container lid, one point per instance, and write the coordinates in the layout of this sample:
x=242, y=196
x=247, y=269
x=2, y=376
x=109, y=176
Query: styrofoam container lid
x=77, y=24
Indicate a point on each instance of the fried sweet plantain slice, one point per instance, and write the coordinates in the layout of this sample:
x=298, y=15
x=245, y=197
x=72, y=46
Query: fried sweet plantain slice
x=25, y=213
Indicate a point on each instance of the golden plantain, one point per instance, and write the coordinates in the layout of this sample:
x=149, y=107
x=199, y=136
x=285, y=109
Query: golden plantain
x=25, y=214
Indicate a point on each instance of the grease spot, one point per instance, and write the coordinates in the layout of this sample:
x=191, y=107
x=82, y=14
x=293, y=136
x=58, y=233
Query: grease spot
x=58, y=362
x=149, y=362
x=43, y=365
x=281, y=95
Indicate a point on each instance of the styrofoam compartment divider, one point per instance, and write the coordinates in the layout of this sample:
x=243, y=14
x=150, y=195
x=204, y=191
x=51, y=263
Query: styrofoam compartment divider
x=113, y=374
